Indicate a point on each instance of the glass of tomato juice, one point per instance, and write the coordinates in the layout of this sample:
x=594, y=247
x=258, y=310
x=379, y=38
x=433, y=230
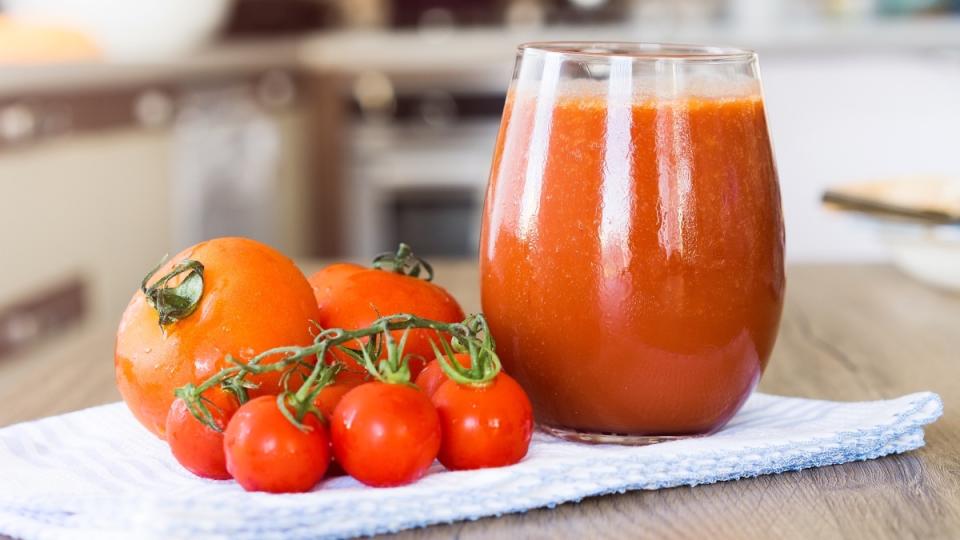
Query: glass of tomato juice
x=632, y=244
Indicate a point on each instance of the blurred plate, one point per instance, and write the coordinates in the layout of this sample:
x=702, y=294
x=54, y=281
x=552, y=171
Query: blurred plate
x=930, y=199
x=918, y=218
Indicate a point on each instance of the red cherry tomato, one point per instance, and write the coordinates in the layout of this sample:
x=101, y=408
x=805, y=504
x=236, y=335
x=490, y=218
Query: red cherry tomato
x=488, y=426
x=266, y=452
x=196, y=446
x=432, y=376
x=350, y=377
x=385, y=434
x=328, y=398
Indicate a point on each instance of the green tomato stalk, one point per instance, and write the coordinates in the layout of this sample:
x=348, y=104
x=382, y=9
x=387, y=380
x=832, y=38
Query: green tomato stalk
x=363, y=345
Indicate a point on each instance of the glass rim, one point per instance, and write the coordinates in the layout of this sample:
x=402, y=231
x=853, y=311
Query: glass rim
x=640, y=51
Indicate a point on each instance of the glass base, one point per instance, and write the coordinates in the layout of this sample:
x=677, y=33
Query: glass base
x=611, y=438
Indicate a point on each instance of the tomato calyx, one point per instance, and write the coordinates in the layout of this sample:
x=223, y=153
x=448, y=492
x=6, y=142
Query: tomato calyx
x=484, y=362
x=174, y=303
x=395, y=367
x=295, y=406
x=403, y=261
x=199, y=405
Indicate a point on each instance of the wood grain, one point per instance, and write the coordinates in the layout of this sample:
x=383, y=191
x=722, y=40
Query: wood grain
x=848, y=333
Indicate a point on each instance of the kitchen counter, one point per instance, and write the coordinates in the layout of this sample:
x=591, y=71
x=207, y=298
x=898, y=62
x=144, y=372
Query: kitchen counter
x=848, y=333
x=484, y=55
x=218, y=61
x=481, y=60
x=478, y=47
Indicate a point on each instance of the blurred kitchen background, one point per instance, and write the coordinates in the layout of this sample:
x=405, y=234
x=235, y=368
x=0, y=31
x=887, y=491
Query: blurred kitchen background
x=334, y=128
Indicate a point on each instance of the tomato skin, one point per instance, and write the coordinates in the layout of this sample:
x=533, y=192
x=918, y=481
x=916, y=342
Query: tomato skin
x=326, y=281
x=385, y=434
x=352, y=298
x=351, y=378
x=194, y=445
x=254, y=298
x=488, y=426
x=265, y=452
x=432, y=376
x=328, y=398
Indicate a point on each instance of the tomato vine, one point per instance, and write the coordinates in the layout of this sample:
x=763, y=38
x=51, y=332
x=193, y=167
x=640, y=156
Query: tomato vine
x=472, y=335
x=403, y=261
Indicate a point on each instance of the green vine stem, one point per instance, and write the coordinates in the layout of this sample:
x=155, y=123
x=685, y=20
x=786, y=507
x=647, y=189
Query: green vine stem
x=471, y=334
x=174, y=303
x=403, y=262
x=485, y=366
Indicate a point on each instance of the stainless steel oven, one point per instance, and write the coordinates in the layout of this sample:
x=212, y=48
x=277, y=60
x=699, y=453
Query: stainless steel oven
x=418, y=165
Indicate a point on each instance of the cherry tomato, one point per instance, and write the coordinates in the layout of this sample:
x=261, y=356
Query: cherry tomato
x=254, y=298
x=266, y=452
x=328, y=398
x=351, y=297
x=488, y=426
x=351, y=377
x=432, y=376
x=196, y=446
x=385, y=434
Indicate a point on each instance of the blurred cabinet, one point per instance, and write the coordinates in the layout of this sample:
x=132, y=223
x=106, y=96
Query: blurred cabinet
x=131, y=174
x=93, y=209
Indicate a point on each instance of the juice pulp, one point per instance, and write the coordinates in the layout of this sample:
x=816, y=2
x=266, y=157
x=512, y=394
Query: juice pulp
x=632, y=259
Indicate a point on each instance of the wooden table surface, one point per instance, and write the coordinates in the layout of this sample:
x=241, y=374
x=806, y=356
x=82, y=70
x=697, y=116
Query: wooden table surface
x=848, y=333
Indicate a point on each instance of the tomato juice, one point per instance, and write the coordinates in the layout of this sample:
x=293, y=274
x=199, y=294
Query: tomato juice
x=632, y=256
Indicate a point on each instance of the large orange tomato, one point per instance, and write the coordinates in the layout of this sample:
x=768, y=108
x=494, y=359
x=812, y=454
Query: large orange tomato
x=253, y=298
x=351, y=296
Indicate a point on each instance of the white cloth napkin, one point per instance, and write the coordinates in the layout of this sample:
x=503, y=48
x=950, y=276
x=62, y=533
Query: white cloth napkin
x=98, y=474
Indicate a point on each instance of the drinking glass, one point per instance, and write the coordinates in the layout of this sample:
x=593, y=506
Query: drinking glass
x=632, y=244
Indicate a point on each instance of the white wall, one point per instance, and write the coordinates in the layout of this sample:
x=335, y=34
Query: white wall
x=838, y=118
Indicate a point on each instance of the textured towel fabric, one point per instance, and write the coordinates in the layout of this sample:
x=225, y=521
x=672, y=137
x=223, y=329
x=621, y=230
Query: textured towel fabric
x=97, y=474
